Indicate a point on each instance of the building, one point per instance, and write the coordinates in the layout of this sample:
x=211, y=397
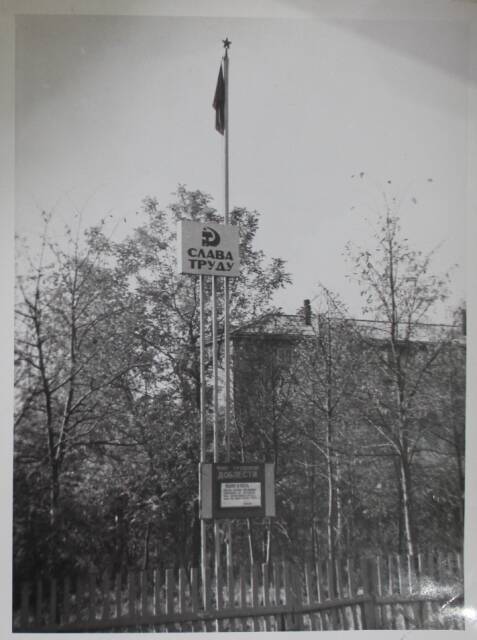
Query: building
x=348, y=408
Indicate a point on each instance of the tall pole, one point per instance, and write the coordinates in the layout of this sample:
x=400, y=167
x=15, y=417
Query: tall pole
x=227, y=288
x=215, y=342
x=228, y=526
x=203, y=527
x=215, y=423
x=215, y=371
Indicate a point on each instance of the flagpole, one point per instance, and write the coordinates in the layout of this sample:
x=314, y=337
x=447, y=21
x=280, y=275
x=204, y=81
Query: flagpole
x=227, y=289
x=227, y=292
x=226, y=132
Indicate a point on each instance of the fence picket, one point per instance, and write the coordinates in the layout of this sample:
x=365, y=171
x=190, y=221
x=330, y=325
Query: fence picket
x=254, y=580
x=194, y=592
x=275, y=597
x=182, y=592
x=369, y=585
x=117, y=595
x=399, y=615
x=91, y=596
x=438, y=576
x=288, y=622
x=458, y=558
x=331, y=590
x=426, y=572
x=297, y=598
x=266, y=593
x=345, y=612
x=229, y=577
x=442, y=570
x=131, y=595
x=380, y=612
x=25, y=606
x=323, y=616
x=243, y=594
x=206, y=593
x=339, y=594
x=66, y=599
x=276, y=583
x=105, y=595
x=454, y=565
x=453, y=575
x=156, y=592
x=410, y=575
x=399, y=573
x=434, y=576
x=352, y=593
x=39, y=602
x=53, y=613
x=219, y=596
x=379, y=576
x=409, y=609
x=442, y=576
x=388, y=587
x=169, y=591
x=143, y=592
x=79, y=597
x=309, y=595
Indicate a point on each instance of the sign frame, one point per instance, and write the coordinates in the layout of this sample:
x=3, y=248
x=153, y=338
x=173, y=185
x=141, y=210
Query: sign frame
x=214, y=475
x=208, y=249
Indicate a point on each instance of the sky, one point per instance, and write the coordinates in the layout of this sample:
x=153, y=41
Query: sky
x=111, y=109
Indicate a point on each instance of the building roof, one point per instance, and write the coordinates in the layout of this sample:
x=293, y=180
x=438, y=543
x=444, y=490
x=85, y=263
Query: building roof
x=277, y=324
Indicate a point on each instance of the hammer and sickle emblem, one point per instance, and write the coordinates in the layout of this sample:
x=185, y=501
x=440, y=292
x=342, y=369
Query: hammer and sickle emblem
x=210, y=237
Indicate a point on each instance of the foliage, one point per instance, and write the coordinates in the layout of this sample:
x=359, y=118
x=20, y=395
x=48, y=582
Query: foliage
x=107, y=390
x=363, y=419
x=367, y=415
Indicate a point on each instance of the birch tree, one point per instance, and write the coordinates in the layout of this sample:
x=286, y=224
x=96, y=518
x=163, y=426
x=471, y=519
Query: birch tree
x=72, y=321
x=400, y=292
x=330, y=362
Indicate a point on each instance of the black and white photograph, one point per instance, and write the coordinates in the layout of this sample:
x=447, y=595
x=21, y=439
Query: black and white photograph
x=241, y=293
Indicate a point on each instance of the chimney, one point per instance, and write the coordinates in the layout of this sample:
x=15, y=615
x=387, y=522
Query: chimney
x=307, y=312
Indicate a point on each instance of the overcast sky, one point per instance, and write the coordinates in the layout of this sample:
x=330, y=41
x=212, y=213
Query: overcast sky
x=111, y=109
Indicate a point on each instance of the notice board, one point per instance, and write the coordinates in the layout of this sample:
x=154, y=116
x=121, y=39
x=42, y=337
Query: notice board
x=237, y=490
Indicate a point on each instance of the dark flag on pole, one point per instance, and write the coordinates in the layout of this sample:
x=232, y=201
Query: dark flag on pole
x=219, y=103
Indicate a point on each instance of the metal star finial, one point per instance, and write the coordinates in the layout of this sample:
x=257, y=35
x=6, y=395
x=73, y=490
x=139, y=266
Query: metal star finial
x=227, y=44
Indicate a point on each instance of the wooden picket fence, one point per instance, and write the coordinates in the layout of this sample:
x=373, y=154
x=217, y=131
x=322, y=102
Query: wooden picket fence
x=395, y=592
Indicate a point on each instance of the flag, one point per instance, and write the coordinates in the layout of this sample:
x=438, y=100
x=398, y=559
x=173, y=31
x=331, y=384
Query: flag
x=219, y=103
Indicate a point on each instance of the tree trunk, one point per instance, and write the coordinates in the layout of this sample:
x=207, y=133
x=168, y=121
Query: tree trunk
x=250, y=541
x=331, y=524
x=145, y=557
x=339, y=515
x=54, y=518
x=268, y=540
x=405, y=484
x=458, y=450
x=314, y=534
x=329, y=520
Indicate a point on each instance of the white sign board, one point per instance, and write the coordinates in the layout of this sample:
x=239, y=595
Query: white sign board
x=208, y=249
x=240, y=494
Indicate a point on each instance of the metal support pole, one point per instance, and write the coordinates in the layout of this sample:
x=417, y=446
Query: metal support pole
x=215, y=370
x=215, y=375
x=203, y=528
